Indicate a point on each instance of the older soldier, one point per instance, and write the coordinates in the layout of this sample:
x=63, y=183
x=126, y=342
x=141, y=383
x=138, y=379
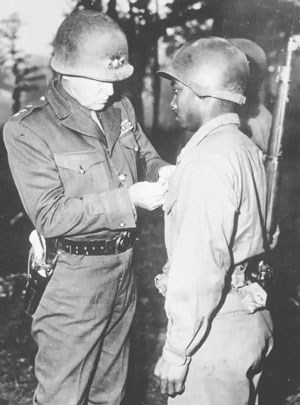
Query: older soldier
x=219, y=331
x=73, y=155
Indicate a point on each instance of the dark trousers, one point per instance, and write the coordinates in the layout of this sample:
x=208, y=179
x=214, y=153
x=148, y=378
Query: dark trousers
x=81, y=329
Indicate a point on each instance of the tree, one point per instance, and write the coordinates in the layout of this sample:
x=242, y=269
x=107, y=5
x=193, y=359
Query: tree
x=89, y=5
x=11, y=57
x=145, y=28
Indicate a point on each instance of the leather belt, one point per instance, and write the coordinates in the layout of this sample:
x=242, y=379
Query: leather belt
x=119, y=244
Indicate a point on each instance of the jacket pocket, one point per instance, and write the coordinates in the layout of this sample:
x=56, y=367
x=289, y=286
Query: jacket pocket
x=78, y=161
x=82, y=172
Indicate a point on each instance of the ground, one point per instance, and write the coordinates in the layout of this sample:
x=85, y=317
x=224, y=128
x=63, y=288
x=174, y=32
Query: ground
x=281, y=383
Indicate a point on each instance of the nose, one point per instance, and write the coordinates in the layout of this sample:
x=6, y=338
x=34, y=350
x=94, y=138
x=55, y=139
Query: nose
x=173, y=104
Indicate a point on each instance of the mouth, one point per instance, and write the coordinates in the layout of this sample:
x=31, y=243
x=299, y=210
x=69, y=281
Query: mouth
x=177, y=118
x=103, y=101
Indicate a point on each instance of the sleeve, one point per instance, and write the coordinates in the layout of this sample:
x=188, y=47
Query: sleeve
x=42, y=194
x=201, y=257
x=153, y=161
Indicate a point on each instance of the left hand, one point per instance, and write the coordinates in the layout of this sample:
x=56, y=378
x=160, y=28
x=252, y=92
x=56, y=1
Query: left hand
x=147, y=195
x=171, y=376
x=164, y=173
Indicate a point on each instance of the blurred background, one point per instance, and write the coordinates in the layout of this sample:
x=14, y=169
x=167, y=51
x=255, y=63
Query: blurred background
x=155, y=29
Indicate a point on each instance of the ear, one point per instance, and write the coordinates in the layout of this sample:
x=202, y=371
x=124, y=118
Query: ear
x=209, y=108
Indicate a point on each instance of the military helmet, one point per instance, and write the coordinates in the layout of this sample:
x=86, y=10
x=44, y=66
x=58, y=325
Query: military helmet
x=257, y=58
x=90, y=44
x=210, y=67
x=253, y=52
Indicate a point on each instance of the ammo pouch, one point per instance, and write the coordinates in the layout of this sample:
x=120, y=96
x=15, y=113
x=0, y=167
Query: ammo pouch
x=38, y=276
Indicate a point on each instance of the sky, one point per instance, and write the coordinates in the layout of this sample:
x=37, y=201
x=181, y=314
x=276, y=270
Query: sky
x=41, y=18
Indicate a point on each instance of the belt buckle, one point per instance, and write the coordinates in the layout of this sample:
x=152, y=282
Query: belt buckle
x=122, y=242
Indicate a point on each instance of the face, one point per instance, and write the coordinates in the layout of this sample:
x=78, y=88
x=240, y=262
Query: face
x=186, y=107
x=91, y=94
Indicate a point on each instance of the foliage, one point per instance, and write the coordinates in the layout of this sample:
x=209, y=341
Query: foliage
x=13, y=59
x=145, y=26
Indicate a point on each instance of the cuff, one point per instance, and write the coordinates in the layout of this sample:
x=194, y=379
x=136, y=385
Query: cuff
x=175, y=358
x=118, y=208
x=166, y=268
x=153, y=169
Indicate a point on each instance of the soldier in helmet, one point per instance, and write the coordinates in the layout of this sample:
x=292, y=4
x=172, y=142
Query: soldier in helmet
x=219, y=331
x=73, y=156
x=256, y=119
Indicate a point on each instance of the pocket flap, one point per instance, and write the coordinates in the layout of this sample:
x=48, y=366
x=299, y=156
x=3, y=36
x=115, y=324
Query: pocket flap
x=78, y=161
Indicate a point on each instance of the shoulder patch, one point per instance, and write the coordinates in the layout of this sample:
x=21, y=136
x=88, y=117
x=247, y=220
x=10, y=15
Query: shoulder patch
x=29, y=108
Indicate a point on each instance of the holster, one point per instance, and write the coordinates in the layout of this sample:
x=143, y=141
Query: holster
x=38, y=276
x=259, y=270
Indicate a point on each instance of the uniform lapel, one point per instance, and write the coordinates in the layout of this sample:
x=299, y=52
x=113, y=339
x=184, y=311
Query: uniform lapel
x=111, y=122
x=81, y=121
x=69, y=111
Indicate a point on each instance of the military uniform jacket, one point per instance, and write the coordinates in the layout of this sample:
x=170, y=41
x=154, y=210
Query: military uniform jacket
x=214, y=216
x=70, y=182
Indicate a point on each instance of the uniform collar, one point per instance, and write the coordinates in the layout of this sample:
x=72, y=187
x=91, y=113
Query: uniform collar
x=206, y=129
x=78, y=118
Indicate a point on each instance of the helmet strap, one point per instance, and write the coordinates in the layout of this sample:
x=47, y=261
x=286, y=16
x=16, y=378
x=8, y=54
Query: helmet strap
x=215, y=93
x=220, y=94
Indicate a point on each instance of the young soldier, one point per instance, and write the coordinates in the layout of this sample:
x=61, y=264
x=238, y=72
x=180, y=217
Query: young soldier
x=219, y=332
x=73, y=155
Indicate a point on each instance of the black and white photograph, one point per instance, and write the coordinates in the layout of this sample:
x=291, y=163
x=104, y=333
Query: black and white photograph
x=150, y=202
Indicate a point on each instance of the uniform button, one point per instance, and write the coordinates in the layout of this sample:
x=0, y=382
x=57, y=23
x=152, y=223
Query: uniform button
x=122, y=177
x=136, y=149
x=122, y=224
x=43, y=98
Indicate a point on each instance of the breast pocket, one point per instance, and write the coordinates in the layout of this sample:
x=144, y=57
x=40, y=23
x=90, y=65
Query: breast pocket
x=82, y=172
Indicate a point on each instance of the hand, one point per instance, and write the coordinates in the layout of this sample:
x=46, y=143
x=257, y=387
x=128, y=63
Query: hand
x=171, y=376
x=164, y=173
x=161, y=283
x=275, y=237
x=38, y=245
x=147, y=195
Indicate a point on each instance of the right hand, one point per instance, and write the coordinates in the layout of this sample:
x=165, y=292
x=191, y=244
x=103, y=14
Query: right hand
x=147, y=195
x=161, y=283
x=38, y=244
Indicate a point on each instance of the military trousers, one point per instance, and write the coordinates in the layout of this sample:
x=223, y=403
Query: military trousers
x=226, y=369
x=81, y=330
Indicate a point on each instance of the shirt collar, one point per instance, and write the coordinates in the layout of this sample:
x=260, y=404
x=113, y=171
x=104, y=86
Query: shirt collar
x=206, y=129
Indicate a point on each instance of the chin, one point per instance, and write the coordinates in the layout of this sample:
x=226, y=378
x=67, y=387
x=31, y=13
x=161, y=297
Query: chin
x=97, y=107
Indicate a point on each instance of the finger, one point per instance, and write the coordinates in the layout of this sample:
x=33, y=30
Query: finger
x=179, y=387
x=171, y=388
x=157, y=369
x=164, y=386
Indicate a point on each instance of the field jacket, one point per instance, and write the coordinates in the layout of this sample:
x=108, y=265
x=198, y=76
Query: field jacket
x=214, y=219
x=70, y=182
